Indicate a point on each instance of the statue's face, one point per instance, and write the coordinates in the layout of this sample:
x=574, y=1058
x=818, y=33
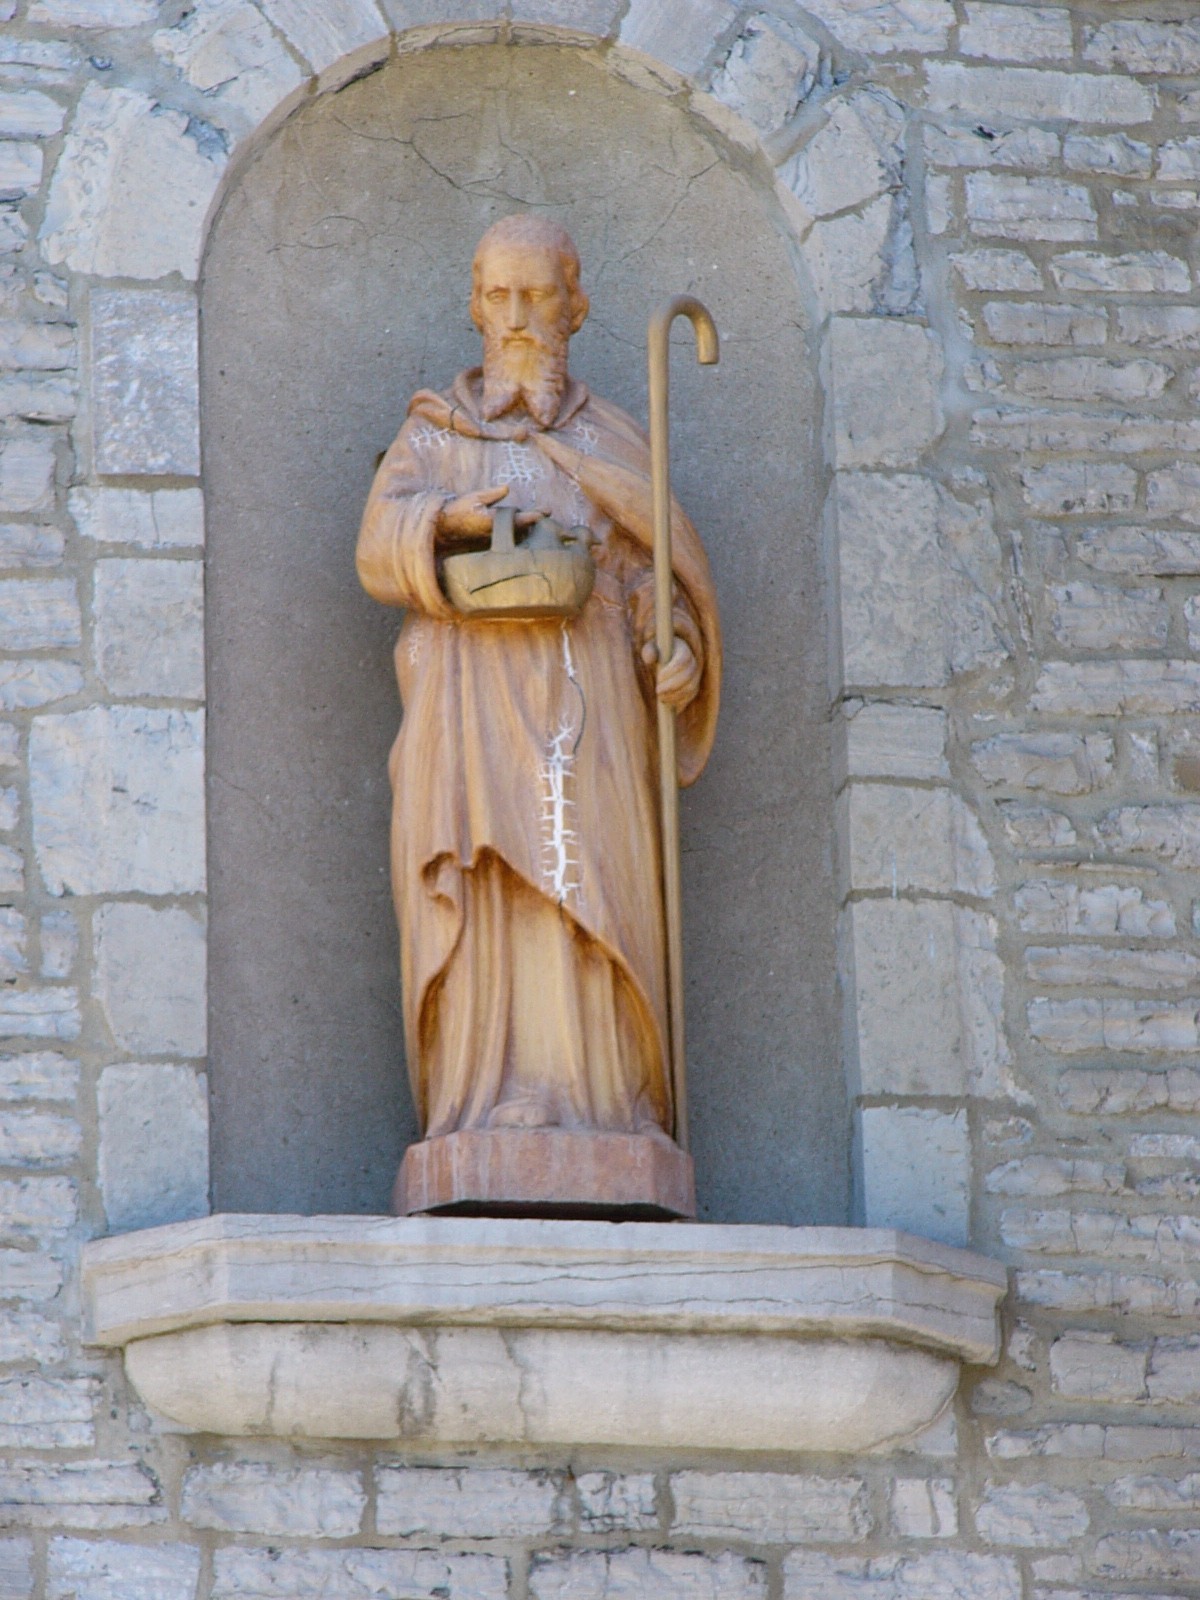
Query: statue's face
x=523, y=301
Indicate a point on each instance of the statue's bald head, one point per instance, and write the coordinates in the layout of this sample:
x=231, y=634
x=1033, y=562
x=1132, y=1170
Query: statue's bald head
x=541, y=236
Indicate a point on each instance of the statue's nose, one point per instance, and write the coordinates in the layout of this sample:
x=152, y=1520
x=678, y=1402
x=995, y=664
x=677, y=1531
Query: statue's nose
x=517, y=311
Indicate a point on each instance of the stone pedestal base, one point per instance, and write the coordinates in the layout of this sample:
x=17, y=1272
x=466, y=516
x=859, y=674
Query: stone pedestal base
x=546, y=1172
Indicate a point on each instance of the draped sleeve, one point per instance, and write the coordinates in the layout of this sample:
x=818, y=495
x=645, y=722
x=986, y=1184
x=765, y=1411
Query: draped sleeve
x=396, y=556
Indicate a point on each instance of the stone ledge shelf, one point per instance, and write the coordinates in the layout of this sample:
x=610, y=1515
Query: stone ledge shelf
x=449, y=1330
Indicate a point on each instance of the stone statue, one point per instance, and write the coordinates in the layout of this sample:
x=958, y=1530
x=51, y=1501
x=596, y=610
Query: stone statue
x=525, y=838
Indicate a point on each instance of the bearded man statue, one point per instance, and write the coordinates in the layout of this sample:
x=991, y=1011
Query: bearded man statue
x=525, y=836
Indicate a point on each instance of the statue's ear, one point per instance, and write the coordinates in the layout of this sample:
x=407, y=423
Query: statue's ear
x=580, y=306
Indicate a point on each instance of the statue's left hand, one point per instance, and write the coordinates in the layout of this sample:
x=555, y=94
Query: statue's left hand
x=677, y=683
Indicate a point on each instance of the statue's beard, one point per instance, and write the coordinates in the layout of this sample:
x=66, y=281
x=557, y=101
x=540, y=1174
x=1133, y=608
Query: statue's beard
x=526, y=371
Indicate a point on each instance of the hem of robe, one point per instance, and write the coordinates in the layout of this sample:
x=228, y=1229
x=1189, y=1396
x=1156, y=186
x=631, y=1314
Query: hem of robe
x=434, y=885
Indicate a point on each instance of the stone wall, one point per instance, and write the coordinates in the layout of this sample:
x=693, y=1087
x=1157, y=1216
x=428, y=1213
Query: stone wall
x=995, y=206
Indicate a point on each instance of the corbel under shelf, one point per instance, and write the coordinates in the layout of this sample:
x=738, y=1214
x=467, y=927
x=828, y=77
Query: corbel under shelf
x=453, y=1330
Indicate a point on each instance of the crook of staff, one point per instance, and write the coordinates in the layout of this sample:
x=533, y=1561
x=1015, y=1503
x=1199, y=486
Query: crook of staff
x=707, y=353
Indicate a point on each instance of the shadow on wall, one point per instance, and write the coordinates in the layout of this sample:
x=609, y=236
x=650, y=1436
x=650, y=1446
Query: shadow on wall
x=336, y=283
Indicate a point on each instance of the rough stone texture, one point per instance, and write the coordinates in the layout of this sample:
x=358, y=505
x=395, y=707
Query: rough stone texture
x=908, y=1022
x=596, y=1575
x=162, y=519
x=908, y=1577
x=86, y=1569
x=679, y=35
x=891, y=581
x=145, y=391
x=439, y=1503
x=151, y=978
x=870, y=430
x=153, y=1157
x=1030, y=1514
x=131, y=190
x=118, y=801
x=326, y=33
x=770, y=69
x=149, y=628
x=355, y=1574
x=894, y=741
x=257, y=1497
x=769, y=1509
x=226, y=50
x=916, y=1166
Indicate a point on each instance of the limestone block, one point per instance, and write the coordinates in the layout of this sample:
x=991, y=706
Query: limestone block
x=14, y=230
x=39, y=1014
x=1009, y=207
x=894, y=741
x=1114, y=153
x=1089, y=378
x=1030, y=1515
x=908, y=1023
x=916, y=1171
x=1067, y=488
x=474, y=1503
x=1117, y=688
x=661, y=1574
x=1135, y=272
x=144, y=382
x=13, y=953
x=118, y=800
x=151, y=978
x=769, y=1508
x=550, y=19
x=328, y=30
x=38, y=1139
x=16, y=1569
x=923, y=1508
x=1155, y=1493
x=1088, y=616
x=27, y=684
x=26, y=1275
x=38, y=1075
x=681, y=33
x=1179, y=159
x=1173, y=1374
x=85, y=1569
x=225, y=49
x=1032, y=33
x=948, y=1573
x=26, y=471
x=1048, y=906
x=40, y=346
x=153, y=1161
x=38, y=614
x=159, y=519
x=1174, y=491
x=974, y=580
x=870, y=430
x=1160, y=327
x=259, y=1497
x=39, y=1413
x=924, y=839
x=37, y=399
x=27, y=545
x=981, y=995
x=25, y=1336
x=1094, y=1366
x=94, y=14
x=243, y=1573
x=884, y=27
x=131, y=189
x=452, y=20
x=997, y=270
x=59, y=939
x=148, y=622
x=20, y=169
x=78, y=1494
x=611, y=1502
x=1063, y=763
x=857, y=155
x=1074, y=1027
x=769, y=72
x=1025, y=93
x=890, y=579
x=1035, y=322
x=1142, y=45
x=951, y=146
x=1053, y=1175
x=849, y=257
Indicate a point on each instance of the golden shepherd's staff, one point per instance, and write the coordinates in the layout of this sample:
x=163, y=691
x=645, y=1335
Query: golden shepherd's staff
x=707, y=352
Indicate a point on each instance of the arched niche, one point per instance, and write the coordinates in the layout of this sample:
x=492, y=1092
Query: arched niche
x=335, y=283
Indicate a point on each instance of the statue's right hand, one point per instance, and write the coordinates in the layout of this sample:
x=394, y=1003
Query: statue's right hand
x=469, y=516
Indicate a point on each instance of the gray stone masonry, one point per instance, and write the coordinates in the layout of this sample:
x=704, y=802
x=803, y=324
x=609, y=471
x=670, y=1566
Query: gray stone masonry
x=993, y=204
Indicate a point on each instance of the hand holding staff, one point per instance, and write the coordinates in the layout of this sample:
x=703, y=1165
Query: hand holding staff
x=658, y=351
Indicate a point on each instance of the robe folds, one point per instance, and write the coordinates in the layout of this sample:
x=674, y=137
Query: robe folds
x=525, y=833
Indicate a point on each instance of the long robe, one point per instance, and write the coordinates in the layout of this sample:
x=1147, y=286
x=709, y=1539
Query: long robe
x=525, y=836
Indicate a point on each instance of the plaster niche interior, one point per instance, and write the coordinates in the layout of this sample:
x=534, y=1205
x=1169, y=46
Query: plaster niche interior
x=335, y=284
